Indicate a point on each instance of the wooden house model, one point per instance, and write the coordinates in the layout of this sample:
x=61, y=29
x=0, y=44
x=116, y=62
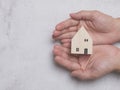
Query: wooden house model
x=81, y=42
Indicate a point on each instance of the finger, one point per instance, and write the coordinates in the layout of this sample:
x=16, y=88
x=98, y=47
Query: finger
x=85, y=15
x=83, y=75
x=57, y=33
x=64, y=52
x=70, y=29
x=67, y=52
x=68, y=35
x=66, y=40
x=60, y=53
x=66, y=24
x=66, y=45
x=58, y=49
x=66, y=63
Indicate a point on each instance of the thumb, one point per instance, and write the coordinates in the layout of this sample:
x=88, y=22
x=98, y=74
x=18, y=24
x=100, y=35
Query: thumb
x=81, y=74
x=84, y=15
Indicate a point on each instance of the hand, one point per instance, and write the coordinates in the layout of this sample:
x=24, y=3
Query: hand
x=105, y=59
x=102, y=28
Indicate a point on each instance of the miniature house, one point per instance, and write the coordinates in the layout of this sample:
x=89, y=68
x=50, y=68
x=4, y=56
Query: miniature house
x=81, y=42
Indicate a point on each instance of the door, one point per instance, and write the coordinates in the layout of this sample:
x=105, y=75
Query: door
x=85, y=51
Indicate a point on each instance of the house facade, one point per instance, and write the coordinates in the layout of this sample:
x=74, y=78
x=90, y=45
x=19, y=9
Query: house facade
x=81, y=42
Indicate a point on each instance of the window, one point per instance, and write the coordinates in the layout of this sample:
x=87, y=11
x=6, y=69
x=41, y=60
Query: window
x=77, y=49
x=85, y=40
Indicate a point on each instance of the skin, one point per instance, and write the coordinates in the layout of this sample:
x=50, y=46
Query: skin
x=104, y=30
x=105, y=59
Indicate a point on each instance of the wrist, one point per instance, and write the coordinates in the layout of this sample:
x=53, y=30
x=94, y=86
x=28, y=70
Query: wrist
x=117, y=65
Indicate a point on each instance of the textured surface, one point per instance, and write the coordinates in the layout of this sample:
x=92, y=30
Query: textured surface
x=26, y=60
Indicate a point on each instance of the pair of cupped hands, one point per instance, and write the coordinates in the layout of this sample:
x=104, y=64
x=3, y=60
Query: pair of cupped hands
x=104, y=30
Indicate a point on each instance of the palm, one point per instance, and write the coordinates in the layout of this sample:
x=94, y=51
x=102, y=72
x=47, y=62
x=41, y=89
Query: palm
x=100, y=63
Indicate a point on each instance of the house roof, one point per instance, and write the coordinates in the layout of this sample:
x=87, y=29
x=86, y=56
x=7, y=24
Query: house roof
x=81, y=34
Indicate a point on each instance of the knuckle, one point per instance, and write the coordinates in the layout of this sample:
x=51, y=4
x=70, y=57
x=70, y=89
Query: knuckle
x=72, y=22
x=96, y=13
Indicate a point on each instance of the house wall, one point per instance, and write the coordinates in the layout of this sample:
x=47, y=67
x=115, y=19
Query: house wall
x=26, y=59
x=78, y=41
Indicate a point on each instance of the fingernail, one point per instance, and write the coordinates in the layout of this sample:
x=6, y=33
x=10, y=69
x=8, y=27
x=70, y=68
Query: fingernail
x=58, y=27
x=53, y=36
x=72, y=13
